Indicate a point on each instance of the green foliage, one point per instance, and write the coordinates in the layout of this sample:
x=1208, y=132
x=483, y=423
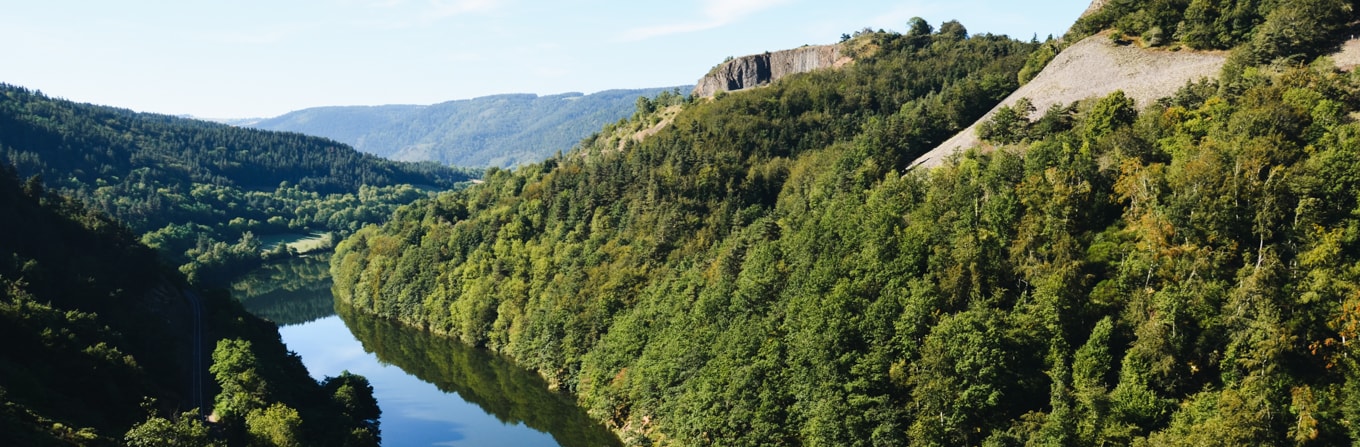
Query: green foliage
x=1109, y=114
x=668, y=283
x=1009, y=125
x=94, y=326
x=243, y=390
x=195, y=190
x=251, y=404
x=1299, y=29
x=354, y=395
x=1037, y=61
x=1013, y=124
x=763, y=272
x=953, y=30
x=276, y=426
x=1263, y=31
x=186, y=430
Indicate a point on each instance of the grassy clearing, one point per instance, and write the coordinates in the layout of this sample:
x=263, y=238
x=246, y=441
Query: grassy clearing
x=301, y=243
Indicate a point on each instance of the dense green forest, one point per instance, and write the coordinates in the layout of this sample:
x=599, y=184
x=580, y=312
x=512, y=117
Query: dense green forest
x=668, y=284
x=203, y=193
x=768, y=270
x=100, y=346
x=500, y=130
x=1265, y=29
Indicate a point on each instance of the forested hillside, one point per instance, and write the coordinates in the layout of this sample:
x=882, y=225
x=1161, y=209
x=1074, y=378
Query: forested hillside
x=500, y=130
x=203, y=193
x=100, y=346
x=764, y=272
x=739, y=277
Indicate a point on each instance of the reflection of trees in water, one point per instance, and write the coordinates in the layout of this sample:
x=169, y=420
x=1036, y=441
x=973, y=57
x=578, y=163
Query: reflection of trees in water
x=506, y=391
x=293, y=291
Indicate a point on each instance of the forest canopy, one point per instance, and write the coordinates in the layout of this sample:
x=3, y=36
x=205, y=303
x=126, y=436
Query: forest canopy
x=768, y=269
x=204, y=194
x=99, y=345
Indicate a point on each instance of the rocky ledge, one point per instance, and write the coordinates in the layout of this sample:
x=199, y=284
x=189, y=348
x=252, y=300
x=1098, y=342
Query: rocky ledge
x=760, y=69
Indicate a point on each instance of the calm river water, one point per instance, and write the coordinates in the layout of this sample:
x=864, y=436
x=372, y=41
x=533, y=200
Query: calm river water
x=433, y=391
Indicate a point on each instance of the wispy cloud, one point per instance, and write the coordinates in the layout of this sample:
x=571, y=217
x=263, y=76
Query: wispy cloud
x=404, y=14
x=448, y=8
x=715, y=14
x=266, y=35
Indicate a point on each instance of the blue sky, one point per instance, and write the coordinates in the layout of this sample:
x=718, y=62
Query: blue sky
x=261, y=58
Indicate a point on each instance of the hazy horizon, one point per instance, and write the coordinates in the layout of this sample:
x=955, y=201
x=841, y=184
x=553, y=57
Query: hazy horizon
x=256, y=59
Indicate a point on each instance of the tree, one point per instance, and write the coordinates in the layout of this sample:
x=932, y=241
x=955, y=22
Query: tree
x=1298, y=27
x=276, y=426
x=919, y=31
x=1109, y=113
x=234, y=366
x=952, y=30
x=1009, y=125
x=1091, y=369
x=184, y=431
x=965, y=381
x=354, y=395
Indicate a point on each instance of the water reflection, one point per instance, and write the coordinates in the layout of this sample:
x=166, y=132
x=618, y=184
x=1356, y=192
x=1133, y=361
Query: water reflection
x=432, y=390
x=510, y=393
x=289, y=292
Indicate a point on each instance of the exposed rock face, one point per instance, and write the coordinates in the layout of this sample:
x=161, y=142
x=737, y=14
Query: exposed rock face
x=760, y=69
x=1095, y=6
x=1093, y=68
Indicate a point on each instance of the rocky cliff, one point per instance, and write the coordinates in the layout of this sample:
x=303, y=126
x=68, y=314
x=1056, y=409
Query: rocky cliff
x=1095, y=6
x=759, y=69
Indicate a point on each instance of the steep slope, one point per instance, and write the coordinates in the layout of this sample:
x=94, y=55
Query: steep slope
x=1093, y=68
x=500, y=130
x=762, y=272
x=1257, y=33
x=761, y=69
x=707, y=284
x=94, y=326
x=195, y=189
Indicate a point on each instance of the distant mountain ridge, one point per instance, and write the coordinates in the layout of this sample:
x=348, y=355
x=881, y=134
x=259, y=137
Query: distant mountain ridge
x=499, y=130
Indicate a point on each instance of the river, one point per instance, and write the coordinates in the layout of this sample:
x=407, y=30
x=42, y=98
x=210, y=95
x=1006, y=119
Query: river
x=433, y=391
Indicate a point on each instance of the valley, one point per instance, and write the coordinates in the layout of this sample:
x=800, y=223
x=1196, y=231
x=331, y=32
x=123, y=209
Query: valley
x=502, y=131
x=433, y=390
x=1141, y=232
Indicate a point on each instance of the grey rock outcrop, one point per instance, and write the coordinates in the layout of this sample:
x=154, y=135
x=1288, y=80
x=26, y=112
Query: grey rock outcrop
x=760, y=69
x=1096, y=5
x=1092, y=68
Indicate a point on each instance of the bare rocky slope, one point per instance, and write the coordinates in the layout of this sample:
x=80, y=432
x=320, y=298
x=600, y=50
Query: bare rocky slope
x=760, y=69
x=1096, y=67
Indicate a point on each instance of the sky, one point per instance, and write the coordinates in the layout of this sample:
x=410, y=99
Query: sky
x=263, y=58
